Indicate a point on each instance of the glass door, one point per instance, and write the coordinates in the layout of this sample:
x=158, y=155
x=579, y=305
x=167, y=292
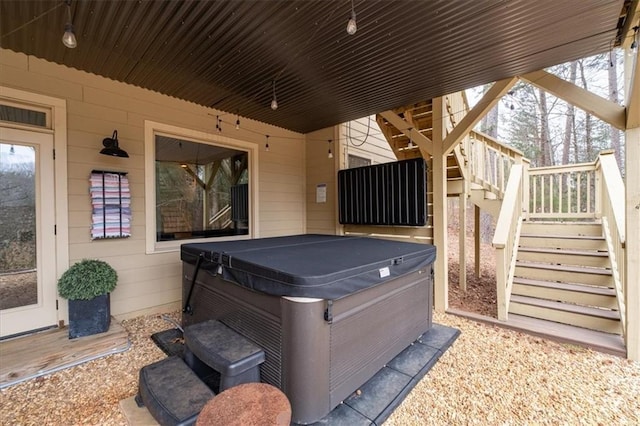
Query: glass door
x=27, y=225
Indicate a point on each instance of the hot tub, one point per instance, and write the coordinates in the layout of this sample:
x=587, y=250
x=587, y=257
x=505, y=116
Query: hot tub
x=329, y=311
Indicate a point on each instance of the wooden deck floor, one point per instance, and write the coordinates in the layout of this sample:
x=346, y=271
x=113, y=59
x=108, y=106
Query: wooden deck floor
x=43, y=353
x=596, y=340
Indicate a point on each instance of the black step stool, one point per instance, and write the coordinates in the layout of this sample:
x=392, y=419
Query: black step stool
x=173, y=390
x=211, y=345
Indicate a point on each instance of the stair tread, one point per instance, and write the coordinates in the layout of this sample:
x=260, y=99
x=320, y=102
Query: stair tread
x=565, y=268
x=567, y=307
x=594, y=253
x=598, y=340
x=567, y=236
x=582, y=288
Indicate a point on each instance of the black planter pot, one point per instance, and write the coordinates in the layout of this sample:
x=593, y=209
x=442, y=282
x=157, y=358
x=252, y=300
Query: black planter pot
x=87, y=317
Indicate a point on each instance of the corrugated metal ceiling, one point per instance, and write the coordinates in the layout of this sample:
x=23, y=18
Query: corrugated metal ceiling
x=226, y=54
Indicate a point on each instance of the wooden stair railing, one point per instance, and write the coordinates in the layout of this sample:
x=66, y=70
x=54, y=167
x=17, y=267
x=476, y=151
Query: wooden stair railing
x=490, y=162
x=563, y=192
x=507, y=236
x=612, y=211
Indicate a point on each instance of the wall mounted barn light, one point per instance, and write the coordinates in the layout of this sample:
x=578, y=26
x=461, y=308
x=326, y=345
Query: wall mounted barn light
x=352, y=27
x=69, y=36
x=111, y=147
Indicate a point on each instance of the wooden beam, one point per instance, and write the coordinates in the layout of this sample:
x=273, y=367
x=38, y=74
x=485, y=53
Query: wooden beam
x=462, y=242
x=439, y=178
x=484, y=105
x=476, y=239
x=633, y=103
x=632, y=248
x=605, y=110
x=423, y=142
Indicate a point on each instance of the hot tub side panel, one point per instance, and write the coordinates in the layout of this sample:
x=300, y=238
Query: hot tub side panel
x=371, y=327
x=305, y=358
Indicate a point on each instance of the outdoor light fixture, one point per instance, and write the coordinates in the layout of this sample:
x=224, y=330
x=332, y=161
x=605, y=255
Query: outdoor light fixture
x=266, y=147
x=274, y=101
x=351, y=25
x=410, y=138
x=634, y=44
x=330, y=154
x=238, y=123
x=111, y=147
x=69, y=36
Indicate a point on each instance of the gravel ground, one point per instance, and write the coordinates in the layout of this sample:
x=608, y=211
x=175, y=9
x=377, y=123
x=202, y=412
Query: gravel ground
x=489, y=376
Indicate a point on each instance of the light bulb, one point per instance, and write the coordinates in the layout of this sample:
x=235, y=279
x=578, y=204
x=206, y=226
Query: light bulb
x=266, y=147
x=351, y=25
x=274, y=104
x=330, y=155
x=69, y=36
x=238, y=124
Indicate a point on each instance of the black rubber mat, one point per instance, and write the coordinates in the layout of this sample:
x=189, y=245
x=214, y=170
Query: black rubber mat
x=170, y=341
x=374, y=402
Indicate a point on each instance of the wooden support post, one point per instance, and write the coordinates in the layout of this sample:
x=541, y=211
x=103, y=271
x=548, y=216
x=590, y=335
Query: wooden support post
x=462, y=241
x=632, y=197
x=477, y=239
x=439, y=172
x=632, y=249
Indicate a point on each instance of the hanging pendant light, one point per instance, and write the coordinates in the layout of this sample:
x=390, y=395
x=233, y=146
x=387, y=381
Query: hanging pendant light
x=274, y=101
x=69, y=36
x=330, y=154
x=266, y=146
x=352, y=27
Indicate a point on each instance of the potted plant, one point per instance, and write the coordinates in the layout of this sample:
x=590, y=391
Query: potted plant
x=87, y=285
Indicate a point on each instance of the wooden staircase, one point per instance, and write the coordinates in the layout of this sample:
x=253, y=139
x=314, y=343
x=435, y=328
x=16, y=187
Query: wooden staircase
x=562, y=282
x=563, y=274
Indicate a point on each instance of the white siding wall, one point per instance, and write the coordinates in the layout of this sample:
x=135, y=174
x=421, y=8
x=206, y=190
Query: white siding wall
x=96, y=106
x=363, y=138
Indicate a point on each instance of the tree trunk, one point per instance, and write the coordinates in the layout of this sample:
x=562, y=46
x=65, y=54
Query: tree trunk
x=613, y=97
x=587, y=126
x=545, y=143
x=489, y=124
x=570, y=119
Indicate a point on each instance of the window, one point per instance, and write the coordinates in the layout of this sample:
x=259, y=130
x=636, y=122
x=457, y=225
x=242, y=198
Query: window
x=33, y=116
x=355, y=161
x=202, y=189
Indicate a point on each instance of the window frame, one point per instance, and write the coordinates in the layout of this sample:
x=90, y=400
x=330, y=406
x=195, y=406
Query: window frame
x=359, y=157
x=151, y=129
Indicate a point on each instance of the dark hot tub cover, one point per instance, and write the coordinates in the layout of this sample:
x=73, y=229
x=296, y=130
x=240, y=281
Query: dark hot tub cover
x=315, y=266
